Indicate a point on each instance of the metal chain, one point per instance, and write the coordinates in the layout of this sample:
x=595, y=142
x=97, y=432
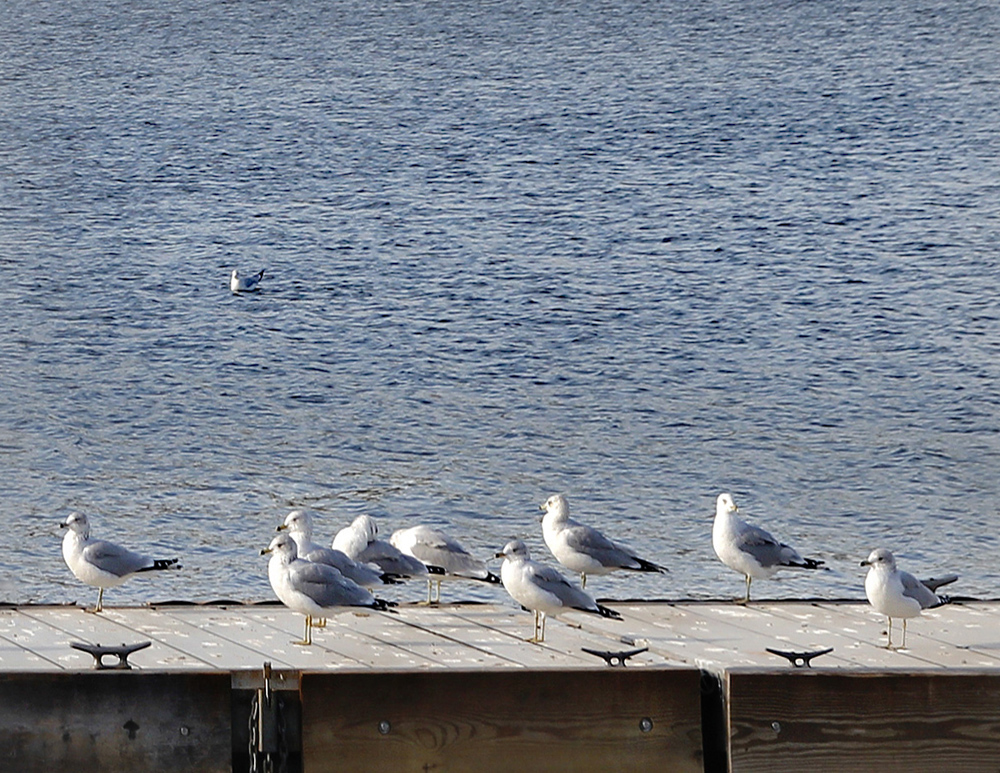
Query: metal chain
x=254, y=739
x=256, y=755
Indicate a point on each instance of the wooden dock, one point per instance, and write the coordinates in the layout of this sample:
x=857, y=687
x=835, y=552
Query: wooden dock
x=456, y=687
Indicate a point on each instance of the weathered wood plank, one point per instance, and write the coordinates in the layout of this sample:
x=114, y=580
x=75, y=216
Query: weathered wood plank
x=962, y=634
x=55, y=627
x=858, y=630
x=826, y=720
x=337, y=646
x=116, y=720
x=504, y=631
x=512, y=720
x=711, y=636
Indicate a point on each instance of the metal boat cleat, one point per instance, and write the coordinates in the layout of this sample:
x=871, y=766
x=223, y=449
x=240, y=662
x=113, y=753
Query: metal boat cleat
x=121, y=652
x=615, y=659
x=800, y=659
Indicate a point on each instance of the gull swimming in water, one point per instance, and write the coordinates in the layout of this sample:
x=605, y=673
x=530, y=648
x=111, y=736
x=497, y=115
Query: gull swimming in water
x=894, y=593
x=299, y=525
x=542, y=589
x=360, y=541
x=103, y=564
x=443, y=556
x=314, y=590
x=243, y=284
x=584, y=549
x=750, y=550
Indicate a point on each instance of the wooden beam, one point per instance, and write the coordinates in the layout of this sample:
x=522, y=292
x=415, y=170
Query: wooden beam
x=116, y=720
x=622, y=719
x=826, y=720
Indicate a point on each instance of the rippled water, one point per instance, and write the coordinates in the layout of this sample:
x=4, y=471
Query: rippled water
x=637, y=252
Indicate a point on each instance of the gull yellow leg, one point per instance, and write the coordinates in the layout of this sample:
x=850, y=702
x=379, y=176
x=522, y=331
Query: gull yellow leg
x=538, y=632
x=100, y=602
x=307, y=634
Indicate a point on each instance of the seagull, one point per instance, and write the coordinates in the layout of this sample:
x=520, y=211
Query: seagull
x=243, y=284
x=314, y=590
x=542, y=589
x=359, y=541
x=103, y=564
x=750, y=550
x=444, y=557
x=299, y=525
x=899, y=594
x=583, y=549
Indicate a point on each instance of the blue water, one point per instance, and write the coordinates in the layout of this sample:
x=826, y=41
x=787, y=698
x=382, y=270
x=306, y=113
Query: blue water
x=637, y=252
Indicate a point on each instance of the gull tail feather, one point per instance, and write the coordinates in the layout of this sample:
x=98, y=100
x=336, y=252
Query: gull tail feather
x=936, y=582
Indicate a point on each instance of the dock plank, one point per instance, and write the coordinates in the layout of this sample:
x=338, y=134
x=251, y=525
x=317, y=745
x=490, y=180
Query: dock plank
x=713, y=635
x=606, y=719
x=504, y=632
x=116, y=720
x=68, y=624
x=339, y=645
x=808, y=719
x=855, y=628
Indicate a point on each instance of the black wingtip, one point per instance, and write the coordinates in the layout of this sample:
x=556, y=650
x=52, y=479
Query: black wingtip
x=608, y=612
x=649, y=566
x=492, y=578
x=163, y=563
x=811, y=563
x=388, y=578
x=435, y=570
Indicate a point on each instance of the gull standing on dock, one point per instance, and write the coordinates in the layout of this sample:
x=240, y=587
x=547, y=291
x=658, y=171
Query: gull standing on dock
x=584, y=549
x=244, y=284
x=542, y=589
x=299, y=525
x=314, y=590
x=750, y=550
x=360, y=541
x=443, y=556
x=103, y=564
x=899, y=594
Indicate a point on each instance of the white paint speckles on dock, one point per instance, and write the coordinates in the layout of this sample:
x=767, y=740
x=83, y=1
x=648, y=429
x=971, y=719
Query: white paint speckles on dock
x=713, y=635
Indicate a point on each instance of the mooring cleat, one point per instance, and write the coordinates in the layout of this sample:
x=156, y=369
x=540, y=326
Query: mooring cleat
x=121, y=652
x=615, y=659
x=800, y=659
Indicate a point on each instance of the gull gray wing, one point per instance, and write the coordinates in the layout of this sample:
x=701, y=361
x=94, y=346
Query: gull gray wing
x=437, y=549
x=590, y=542
x=391, y=560
x=114, y=559
x=765, y=549
x=913, y=588
x=352, y=570
x=768, y=552
x=326, y=586
x=551, y=581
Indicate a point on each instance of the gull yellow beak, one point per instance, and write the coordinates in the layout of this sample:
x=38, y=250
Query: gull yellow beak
x=282, y=527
